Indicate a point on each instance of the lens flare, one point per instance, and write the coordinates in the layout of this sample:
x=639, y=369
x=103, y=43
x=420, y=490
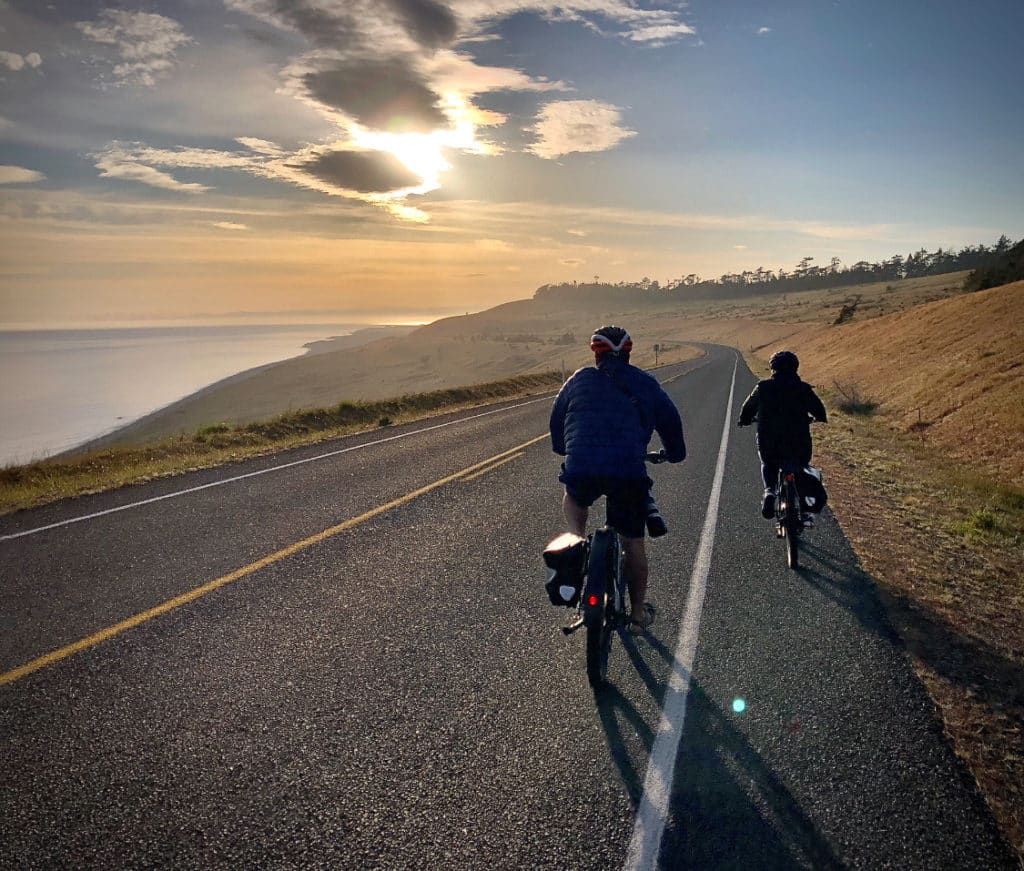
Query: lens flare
x=739, y=705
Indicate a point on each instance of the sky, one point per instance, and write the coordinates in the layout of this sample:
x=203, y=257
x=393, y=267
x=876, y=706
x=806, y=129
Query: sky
x=399, y=160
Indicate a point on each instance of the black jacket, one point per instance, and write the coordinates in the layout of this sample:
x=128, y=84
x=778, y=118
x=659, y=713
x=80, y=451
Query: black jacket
x=783, y=407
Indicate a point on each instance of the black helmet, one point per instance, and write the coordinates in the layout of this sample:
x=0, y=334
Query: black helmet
x=783, y=361
x=611, y=340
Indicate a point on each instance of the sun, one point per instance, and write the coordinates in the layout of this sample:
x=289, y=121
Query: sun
x=424, y=153
x=421, y=153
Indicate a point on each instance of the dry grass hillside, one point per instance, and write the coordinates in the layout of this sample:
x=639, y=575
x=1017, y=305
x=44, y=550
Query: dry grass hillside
x=951, y=371
x=454, y=352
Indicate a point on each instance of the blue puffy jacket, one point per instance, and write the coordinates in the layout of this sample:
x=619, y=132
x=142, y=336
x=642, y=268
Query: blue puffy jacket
x=599, y=429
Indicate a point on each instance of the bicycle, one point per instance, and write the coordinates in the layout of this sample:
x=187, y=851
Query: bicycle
x=603, y=607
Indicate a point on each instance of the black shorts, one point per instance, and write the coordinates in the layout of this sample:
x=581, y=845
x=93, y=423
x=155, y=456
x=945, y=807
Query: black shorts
x=627, y=498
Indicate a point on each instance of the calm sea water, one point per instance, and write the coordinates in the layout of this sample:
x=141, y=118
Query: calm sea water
x=59, y=388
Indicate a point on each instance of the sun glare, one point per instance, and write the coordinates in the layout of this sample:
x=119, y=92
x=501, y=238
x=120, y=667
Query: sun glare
x=423, y=153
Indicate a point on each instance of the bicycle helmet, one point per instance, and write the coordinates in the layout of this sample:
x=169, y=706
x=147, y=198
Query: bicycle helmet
x=783, y=361
x=611, y=340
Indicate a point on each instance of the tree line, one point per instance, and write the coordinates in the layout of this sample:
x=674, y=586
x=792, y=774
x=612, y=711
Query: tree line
x=806, y=275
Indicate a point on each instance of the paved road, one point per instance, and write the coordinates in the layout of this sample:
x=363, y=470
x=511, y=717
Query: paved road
x=342, y=686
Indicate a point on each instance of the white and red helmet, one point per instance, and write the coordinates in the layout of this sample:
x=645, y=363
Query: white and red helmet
x=611, y=340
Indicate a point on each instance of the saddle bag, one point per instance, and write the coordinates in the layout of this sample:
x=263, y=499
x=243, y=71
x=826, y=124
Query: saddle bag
x=811, y=489
x=566, y=561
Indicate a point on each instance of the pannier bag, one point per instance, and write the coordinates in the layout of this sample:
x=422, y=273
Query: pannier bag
x=811, y=489
x=566, y=561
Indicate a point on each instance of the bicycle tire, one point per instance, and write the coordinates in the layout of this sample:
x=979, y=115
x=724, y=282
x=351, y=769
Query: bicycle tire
x=599, y=645
x=792, y=526
x=600, y=581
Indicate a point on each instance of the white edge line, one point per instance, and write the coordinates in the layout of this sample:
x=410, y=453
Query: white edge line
x=223, y=481
x=649, y=827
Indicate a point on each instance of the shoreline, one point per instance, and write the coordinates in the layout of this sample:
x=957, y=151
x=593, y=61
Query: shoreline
x=125, y=431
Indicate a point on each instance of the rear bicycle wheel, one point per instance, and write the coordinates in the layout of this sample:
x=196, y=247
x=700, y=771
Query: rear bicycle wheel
x=596, y=606
x=599, y=645
x=792, y=526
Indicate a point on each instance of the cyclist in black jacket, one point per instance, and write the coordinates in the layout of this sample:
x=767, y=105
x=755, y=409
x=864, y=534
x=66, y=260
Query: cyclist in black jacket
x=783, y=407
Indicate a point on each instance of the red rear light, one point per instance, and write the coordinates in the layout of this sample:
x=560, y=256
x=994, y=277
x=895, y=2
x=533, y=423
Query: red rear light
x=790, y=476
x=592, y=601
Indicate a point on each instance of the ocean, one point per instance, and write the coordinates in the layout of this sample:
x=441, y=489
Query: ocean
x=60, y=388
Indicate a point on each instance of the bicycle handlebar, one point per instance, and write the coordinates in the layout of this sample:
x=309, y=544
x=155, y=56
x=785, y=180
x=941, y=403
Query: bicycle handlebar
x=754, y=419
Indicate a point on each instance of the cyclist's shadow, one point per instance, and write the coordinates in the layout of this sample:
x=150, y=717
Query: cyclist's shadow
x=615, y=710
x=709, y=789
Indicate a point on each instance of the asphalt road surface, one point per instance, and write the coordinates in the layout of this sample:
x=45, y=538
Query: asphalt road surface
x=343, y=657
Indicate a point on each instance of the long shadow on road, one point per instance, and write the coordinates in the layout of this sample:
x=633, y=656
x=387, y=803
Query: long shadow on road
x=729, y=808
x=990, y=674
x=988, y=680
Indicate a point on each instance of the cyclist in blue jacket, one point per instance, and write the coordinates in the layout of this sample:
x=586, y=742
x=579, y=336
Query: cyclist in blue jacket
x=601, y=422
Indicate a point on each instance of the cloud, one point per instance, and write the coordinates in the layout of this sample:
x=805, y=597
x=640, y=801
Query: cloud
x=261, y=146
x=521, y=217
x=118, y=164
x=577, y=125
x=761, y=31
x=580, y=233
x=388, y=73
x=337, y=169
x=389, y=25
x=365, y=172
x=493, y=245
x=145, y=41
x=19, y=175
x=430, y=23
x=655, y=26
x=382, y=95
x=660, y=34
x=229, y=225
x=16, y=62
x=572, y=261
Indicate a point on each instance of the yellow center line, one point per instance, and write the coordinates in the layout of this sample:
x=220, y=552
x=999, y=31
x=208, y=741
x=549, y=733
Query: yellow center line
x=171, y=604
x=492, y=467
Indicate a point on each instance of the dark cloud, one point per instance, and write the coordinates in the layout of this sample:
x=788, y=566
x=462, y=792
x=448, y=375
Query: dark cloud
x=380, y=95
x=368, y=172
x=320, y=26
x=430, y=23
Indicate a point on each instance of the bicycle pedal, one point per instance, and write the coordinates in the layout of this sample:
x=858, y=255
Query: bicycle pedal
x=572, y=627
